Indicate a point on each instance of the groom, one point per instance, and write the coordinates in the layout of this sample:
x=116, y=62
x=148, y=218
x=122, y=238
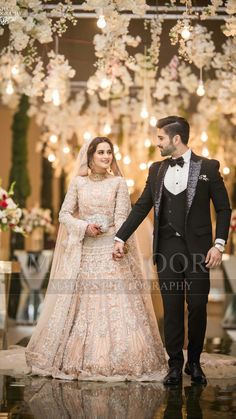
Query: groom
x=180, y=188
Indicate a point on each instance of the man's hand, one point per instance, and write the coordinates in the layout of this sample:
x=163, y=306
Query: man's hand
x=213, y=258
x=93, y=230
x=118, y=251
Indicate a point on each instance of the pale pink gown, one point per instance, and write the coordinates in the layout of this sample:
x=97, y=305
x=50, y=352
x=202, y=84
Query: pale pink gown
x=107, y=330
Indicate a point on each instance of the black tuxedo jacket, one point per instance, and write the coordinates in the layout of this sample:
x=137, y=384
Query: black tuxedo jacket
x=204, y=184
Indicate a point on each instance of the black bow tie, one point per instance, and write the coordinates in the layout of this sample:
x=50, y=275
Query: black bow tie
x=179, y=161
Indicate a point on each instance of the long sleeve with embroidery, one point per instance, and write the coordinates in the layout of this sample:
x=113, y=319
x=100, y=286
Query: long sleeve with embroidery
x=122, y=204
x=69, y=210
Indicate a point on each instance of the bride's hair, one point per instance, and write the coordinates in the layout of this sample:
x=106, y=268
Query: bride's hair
x=93, y=147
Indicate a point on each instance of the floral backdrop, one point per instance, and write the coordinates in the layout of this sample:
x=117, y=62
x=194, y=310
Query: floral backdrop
x=129, y=89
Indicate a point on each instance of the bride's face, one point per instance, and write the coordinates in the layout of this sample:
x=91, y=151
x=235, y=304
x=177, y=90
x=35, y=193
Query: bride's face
x=102, y=158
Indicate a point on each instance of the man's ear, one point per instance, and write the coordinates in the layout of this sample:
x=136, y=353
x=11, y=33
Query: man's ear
x=176, y=139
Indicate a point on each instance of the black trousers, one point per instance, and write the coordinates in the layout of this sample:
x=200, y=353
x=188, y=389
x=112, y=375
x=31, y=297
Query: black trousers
x=182, y=276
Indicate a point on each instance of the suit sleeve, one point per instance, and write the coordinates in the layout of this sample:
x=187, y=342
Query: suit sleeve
x=221, y=203
x=138, y=213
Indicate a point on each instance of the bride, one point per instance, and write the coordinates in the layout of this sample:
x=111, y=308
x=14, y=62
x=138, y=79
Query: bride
x=98, y=322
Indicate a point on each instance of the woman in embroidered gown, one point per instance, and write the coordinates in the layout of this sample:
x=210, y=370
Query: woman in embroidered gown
x=98, y=321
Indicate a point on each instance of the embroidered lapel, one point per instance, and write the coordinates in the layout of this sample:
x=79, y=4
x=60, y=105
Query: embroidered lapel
x=194, y=171
x=159, y=185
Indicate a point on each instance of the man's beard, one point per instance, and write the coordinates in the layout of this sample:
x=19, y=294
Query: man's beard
x=167, y=151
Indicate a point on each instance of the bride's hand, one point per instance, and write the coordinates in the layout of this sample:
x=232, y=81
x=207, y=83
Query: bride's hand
x=118, y=251
x=93, y=230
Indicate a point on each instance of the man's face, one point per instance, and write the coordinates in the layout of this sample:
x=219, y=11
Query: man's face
x=164, y=143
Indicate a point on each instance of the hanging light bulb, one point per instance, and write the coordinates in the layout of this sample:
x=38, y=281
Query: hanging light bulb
x=66, y=149
x=105, y=83
x=186, y=32
x=226, y=170
x=56, y=97
x=15, y=70
x=9, y=88
x=127, y=160
x=201, y=89
x=153, y=121
x=53, y=138
x=116, y=148
x=130, y=183
x=205, y=152
x=87, y=135
x=51, y=157
x=118, y=156
x=143, y=166
x=101, y=22
x=144, y=112
x=147, y=143
x=107, y=129
x=204, y=136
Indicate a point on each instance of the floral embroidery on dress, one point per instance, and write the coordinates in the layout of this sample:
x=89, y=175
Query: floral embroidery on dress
x=109, y=332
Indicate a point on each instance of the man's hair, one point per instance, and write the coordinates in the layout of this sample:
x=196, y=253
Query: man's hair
x=175, y=125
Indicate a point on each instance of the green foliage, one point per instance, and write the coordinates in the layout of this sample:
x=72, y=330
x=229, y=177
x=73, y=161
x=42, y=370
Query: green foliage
x=19, y=172
x=46, y=188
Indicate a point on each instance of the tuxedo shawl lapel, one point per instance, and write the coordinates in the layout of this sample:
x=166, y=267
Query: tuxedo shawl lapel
x=194, y=171
x=159, y=185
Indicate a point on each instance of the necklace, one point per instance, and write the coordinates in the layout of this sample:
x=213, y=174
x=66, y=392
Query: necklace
x=98, y=176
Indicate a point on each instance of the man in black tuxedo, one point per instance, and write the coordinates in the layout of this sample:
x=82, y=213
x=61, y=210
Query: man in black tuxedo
x=180, y=188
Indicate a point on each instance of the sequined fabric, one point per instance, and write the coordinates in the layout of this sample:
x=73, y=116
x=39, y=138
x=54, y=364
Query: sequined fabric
x=110, y=331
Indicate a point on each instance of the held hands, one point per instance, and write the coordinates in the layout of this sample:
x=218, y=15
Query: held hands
x=93, y=230
x=118, y=251
x=213, y=258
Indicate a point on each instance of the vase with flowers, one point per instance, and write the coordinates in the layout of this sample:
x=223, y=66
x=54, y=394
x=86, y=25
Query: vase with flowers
x=36, y=221
x=10, y=215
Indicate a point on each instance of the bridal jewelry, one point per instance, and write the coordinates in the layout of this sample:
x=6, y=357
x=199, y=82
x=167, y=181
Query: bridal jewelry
x=98, y=176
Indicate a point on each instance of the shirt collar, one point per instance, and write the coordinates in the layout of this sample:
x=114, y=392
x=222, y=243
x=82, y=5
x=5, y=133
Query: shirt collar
x=187, y=155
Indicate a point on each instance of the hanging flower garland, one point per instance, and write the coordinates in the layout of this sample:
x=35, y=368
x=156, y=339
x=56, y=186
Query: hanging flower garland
x=225, y=67
x=112, y=77
x=230, y=23
x=57, y=82
x=138, y=7
x=199, y=49
x=32, y=23
x=211, y=9
x=14, y=78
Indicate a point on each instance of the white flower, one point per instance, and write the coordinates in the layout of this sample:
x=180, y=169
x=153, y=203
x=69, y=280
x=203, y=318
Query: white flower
x=4, y=220
x=10, y=203
x=20, y=41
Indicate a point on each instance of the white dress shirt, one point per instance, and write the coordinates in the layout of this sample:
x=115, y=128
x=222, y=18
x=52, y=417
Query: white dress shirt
x=176, y=179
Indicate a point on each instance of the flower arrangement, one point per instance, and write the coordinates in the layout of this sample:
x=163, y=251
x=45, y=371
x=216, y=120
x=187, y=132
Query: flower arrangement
x=10, y=214
x=37, y=218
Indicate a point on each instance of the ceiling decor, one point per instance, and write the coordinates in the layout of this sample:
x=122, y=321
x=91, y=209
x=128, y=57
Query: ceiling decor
x=130, y=88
